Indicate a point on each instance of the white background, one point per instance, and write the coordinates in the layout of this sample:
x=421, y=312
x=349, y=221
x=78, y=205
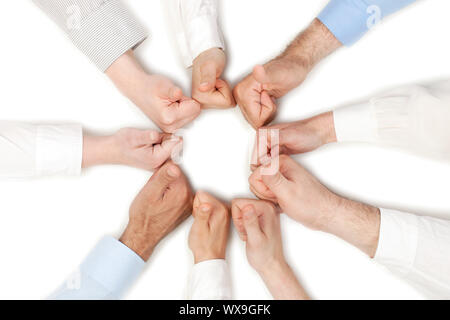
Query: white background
x=47, y=226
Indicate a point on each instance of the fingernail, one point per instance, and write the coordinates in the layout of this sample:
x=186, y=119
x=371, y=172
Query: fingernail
x=204, y=84
x=205, y=209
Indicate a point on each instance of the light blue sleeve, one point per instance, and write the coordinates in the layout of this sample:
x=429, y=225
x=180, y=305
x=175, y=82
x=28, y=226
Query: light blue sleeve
x=107, y=272
x=349, y=20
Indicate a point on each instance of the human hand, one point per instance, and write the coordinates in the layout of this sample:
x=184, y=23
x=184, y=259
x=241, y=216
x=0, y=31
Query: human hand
x=303, y=198
x=155, y=95
x=298, y=193
x=163, y=204
x=209, y=234
x=145, y=149
x=294, y=138
x=256, y=95
x=207, y=87
x=258, y=224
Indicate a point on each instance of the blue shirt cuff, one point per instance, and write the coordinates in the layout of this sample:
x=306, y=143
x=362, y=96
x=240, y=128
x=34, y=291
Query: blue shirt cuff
x=113, y=265
x=349, y=20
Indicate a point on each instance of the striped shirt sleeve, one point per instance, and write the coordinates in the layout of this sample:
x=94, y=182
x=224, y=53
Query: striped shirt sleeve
x=102, y=29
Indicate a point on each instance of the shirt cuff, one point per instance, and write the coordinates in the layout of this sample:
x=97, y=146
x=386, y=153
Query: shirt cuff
x=210, y=280
x=113, y=265
x=59, y=150
x=107, y=33
x=355, y=123
x=347, y=20
x=397, y=244
x=202, y=33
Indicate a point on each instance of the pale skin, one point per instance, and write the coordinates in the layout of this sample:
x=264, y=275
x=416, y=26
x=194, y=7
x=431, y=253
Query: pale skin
x=304, y=199
x=208, y=237
x=258, y=224
x=157, y=96
x=257, y=93
x=208, y=88
x=144, y=149
x=296, y=137
x=163, y=204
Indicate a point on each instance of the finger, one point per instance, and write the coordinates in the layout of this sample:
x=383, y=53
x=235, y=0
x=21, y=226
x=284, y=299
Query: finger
x=268, y=108
x=223, y=88
x=258, y=187
x=208, y=78
x=185, y=112
x=260, y=74
x=251, y=224
x=236, y=214
x=162, y=178
x=142, y=138
x=175, y=94
x=202, y=214
x=276, y=183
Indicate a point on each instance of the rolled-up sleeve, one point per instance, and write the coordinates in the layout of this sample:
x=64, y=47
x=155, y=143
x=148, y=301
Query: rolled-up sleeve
x=107, y=272
x=349, y=20
x=413, y=118
x=210, y=280
x=416, y=249
x=102, y=29
x=40, y=150
x=195, y=23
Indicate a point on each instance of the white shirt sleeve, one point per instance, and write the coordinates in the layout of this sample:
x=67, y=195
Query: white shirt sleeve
x=416, y=249
x=195, y=23
x=210, y=280
x=414, y=118
x=36, y=150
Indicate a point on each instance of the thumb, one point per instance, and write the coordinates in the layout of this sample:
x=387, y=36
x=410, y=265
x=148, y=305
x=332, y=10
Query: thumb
x=251, y=224
x=168, y=174
x=207, y=77
x=276, y=182
x=175, y=94
x=203, y=213
x=261, y=75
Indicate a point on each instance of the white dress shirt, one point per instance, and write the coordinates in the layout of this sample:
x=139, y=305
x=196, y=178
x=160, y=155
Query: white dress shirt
x=36, y=150
x=415, y=119
x=196, y=26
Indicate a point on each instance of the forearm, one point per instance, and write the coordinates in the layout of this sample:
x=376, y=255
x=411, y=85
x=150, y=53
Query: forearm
x=282, y=282
x=312, y=45
x=353, y=222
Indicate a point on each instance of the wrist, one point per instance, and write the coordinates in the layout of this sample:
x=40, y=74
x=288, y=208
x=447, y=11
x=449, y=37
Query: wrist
x=126, y=73
x=205, y=256
x=138, y=241
x=323, y=124
x=100, y=150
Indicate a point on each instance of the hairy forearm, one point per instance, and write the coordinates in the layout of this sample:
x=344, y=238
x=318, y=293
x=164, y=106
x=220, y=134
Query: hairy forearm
x=282, y=282
x=356, y=223
x=312, y=45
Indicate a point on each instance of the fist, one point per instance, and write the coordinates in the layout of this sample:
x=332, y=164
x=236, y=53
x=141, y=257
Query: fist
x=209, y=234
x=297, y=192
x=163, y=203
x=165, y=104
x=258, y=224
x=207, y=87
